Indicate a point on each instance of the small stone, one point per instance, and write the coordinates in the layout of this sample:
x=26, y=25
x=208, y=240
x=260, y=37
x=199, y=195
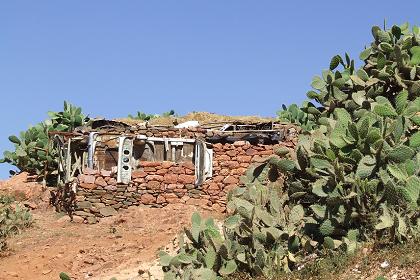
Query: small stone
x=90, y=171
x=160, y=199
x=138, y=174
x=385, y=264
x=92, y=220
x=147, y=199
x=112, y=181
x=98, y=205
x=224, y=172
x=107, y=211
x=82, y=213
x=251, y=152
x=149, y=169
x=64, y=219
x=106, y=173
x=244, y=158
x=13, y=274
x=153, y=185
x=217, y=179
x=161, y=171
x=30, y=205
x=218, y=208
x=100, y=182
x=87, y=186
x=231, y=180
x=177, y=170
x=45, y=272
x=83, y=205
x=167, y=164
x=110, y=188
x=224, y=158
x=170, y=178
x=150, y=164
x=88, y=179
x=186, y=179
x=232, y=153
x=188, y=165
x=240, y=143
x=78, y=220
x=189, y=186
x=154, y=178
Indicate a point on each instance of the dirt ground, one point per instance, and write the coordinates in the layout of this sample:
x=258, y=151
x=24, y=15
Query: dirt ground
x=116, y=246
x=124, y=245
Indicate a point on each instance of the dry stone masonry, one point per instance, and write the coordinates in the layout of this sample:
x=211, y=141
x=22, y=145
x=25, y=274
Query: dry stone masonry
x=170, y=177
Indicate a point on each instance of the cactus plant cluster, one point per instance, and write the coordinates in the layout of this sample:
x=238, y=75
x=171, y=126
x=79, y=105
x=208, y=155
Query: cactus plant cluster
x=298, y=116
x=13, y=218
x=363, y=161
x=258, y=237
x=147, y=117
x=354, y=175
x=202, y=256
x=34, y=152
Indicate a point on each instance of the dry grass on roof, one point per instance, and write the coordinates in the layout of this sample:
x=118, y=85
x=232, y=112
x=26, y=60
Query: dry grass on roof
x=202, y=117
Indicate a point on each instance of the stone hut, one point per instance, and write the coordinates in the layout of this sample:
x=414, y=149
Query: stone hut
x=109, y=165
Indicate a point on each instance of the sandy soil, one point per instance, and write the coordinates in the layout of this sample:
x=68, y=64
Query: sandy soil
x=116, y=246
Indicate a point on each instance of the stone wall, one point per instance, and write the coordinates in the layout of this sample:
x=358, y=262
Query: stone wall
x=159, y=183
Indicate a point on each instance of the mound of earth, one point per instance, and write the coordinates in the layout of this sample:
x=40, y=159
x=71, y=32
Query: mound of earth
x=202, y=117
x=116, y=246
x=31, y=194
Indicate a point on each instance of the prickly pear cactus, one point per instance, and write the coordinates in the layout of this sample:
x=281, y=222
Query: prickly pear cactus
x=354, y=174
x=364, y=156
x=34, y=153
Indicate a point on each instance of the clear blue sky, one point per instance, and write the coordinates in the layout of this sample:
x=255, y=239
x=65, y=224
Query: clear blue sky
x=224, y=56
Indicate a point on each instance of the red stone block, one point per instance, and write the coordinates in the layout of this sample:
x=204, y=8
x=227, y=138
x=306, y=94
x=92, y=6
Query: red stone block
x=224, y=172
x=88, y=179
x=244, y=158
x=138, y=174
x=147, y=199
x=90, y=171
x=239, y=171
x=239, y=143
x=88, y=186
x=188, y=165
x=251, y=152
x=153, y=185
x=223, y=158
x=186, y=179
x=158, y=178
x=177, y=170
x=266, y=152
x=100, y=182
x=171, y=198
x=149, y=169
x=106, y=173
x=231, y=180
x=162, y=171
x=149, y=163
x=139, y=180
x=218, y=179
x=232, y=153
x=170, y=178
x=160, y=199
x=217, y=147
x=112, y=182
x=167, y=164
